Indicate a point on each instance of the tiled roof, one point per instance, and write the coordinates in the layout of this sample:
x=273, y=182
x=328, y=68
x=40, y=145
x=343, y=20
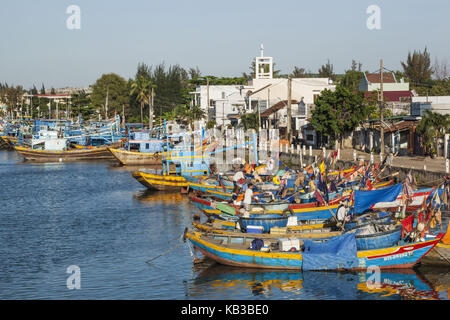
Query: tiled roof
x=393, y=96
x=277, y=106
x=375, y=77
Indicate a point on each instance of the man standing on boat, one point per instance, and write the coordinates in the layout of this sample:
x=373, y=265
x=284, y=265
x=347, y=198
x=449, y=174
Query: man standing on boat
x=248, y=197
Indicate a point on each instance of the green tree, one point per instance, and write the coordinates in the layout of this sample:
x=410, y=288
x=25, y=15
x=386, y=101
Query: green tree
x=298, y=73
x=326, y=71
x=352, y=79
x=418, y=67
x=431, y=127
x=117, y=89
x=338, y=112
x=81, y=103
x=141, y=88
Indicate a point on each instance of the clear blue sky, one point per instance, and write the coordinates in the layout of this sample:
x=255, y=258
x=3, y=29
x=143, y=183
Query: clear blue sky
x=220, y=37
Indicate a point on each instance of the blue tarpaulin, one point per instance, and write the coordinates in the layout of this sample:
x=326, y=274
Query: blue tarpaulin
x=336, y=253
x=366, y=199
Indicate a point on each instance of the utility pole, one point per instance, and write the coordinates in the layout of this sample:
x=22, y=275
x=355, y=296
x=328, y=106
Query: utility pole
x=106, y=103
x=150, y=107
x=289, y=111
x=123, y=116
x=268, y=106
x=207, y=98
x=381, y=110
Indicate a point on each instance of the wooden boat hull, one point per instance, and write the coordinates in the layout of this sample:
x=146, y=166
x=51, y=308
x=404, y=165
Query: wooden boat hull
x=405, y=256
x=125, y=157
x=439, y=256
x=159, y=182
x=64, y=156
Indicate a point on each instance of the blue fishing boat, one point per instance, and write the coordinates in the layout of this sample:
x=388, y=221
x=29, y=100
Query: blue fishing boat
x=374, y=217
x=376, y=235
x=267, y=221
x=337, y=253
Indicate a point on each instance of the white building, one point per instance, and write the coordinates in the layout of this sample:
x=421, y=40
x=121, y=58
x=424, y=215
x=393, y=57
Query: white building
x=439, y=104
x=266, y=95
x=226, y=102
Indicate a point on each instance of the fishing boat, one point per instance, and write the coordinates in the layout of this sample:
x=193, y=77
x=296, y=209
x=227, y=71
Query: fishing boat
x=240, y=255
x=228, y=228
x=265, y=220
x=143, y=147
x=376, y=235
x=37, y=155
x=159, y=182
x=369, y=217
x=204, y=183
x=440, y=255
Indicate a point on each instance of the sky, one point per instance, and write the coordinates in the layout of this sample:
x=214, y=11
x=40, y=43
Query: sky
x=219, y=37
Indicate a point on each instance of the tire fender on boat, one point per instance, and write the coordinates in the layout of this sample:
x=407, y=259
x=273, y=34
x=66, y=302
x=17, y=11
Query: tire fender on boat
x=288, y=210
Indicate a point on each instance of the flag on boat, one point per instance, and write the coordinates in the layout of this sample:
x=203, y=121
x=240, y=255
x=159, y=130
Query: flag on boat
x=364, y=200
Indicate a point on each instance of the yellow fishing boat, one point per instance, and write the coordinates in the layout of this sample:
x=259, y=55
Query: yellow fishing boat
x=64, y=155
x=160, y=182
x=126, y=157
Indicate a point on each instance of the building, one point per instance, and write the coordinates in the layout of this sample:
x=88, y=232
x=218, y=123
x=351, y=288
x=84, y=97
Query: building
x=396, y=93
x=226, y=102
x=438, y=104
x=266, y=95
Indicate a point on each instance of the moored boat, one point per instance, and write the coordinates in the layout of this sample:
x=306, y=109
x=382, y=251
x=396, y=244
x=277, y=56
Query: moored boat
x=126, y=157
x=376, y=235
x=37, y=155
x=240, y=255
x=159, y=182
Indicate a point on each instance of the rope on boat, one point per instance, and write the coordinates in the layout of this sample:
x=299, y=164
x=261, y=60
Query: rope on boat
x=443, y=257
x=167, y=251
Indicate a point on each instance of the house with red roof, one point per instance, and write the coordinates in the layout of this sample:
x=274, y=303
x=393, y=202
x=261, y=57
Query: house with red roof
x=396, y=93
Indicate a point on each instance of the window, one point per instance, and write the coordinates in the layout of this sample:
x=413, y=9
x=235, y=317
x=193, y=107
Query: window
x=147, y=146
x=223, y=95
x=316, y=95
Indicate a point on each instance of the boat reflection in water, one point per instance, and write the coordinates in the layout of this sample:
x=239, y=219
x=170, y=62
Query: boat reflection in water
x=153, y=197
x=238, y=283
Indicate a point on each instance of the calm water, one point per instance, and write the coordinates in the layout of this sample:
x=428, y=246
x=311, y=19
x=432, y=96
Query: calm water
x=97, y=217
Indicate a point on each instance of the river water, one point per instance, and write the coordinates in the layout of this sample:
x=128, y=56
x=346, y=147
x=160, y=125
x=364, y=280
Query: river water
x=97, y=219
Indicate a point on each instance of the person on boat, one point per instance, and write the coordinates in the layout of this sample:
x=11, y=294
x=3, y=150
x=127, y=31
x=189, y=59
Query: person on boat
x=238, y=178
x=248, y=197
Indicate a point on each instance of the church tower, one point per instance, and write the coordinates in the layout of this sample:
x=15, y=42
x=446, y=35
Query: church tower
x=263, y=66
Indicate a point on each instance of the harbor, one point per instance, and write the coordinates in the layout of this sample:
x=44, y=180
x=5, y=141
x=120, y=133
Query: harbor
x=112, y=240
x=225, y=160
x=103, y=214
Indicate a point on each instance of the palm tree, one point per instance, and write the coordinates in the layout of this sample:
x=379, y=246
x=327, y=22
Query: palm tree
x=432, y=127
x=194, y=113
x=141, y=87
